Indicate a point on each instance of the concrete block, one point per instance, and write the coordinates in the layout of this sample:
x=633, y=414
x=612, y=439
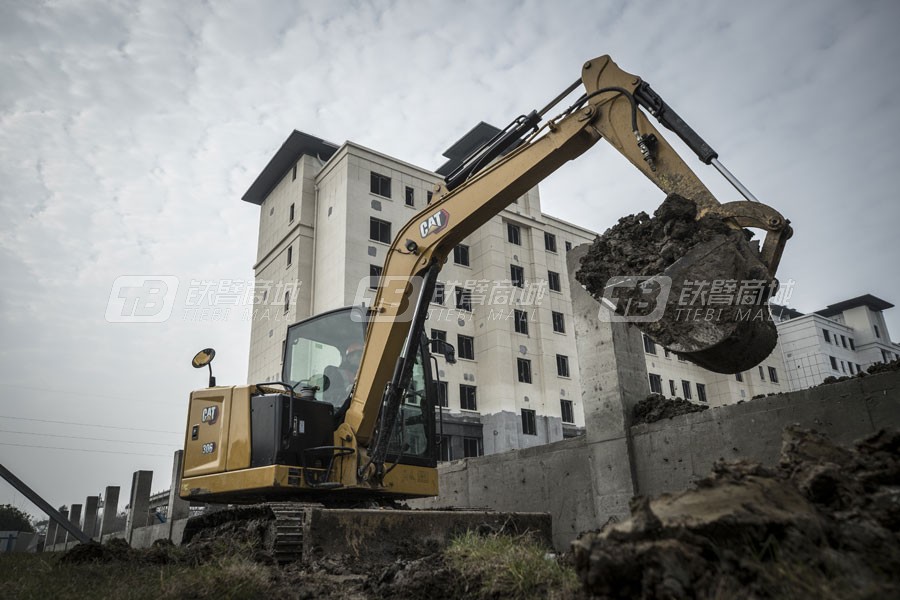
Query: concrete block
x=110, y=508
x=89, y=526
x=138, y=514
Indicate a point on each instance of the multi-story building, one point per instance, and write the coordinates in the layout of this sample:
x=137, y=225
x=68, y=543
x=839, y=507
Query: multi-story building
x=328, y=214
x=843, y=339
x=675, y=377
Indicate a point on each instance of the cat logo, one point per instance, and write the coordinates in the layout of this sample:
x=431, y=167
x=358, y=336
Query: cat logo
x=209, y=415
x=434, y=223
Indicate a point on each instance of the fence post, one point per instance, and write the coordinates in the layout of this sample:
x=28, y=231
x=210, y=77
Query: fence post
x=90, y=515
x=140, y=502
x=110, y=508
x=178, y=508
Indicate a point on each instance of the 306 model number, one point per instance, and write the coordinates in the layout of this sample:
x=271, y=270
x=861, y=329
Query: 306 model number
x=208, y=448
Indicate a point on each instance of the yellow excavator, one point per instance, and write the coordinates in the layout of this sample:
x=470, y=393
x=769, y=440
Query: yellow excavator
x=352, y=422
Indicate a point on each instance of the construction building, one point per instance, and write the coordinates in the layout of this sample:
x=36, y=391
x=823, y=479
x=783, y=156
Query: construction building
x=328, y=214
x=841, y=340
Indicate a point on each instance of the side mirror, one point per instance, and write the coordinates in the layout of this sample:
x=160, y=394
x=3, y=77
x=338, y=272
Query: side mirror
x=202, y=359
x=445, y=349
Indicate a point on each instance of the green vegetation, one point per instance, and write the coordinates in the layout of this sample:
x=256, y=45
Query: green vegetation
x=511, y=567
x=13, y=519
x=43, y=576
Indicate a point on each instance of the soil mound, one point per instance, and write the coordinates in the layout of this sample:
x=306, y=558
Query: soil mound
x=657, y=407
x=824, y=523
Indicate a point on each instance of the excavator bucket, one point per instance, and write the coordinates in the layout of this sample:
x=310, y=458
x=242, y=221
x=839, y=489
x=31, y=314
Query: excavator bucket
x=697, y=286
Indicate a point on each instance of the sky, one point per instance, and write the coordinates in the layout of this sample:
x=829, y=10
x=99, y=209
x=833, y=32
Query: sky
x=129, y=132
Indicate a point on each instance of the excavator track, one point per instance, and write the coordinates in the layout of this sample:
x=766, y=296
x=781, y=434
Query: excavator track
x=290, y=530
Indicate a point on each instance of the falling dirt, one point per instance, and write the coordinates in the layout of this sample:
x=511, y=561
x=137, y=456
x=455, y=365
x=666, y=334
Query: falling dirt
x=824, y=523
x=716, y=313
x=656, y=407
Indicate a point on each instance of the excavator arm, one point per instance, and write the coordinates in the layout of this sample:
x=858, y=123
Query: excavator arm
x=610, y=108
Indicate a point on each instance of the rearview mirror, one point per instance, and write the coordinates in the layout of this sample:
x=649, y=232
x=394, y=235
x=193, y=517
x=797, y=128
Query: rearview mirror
x=203, y=358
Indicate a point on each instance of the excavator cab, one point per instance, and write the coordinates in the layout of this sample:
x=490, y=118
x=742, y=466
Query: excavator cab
x=322, y=357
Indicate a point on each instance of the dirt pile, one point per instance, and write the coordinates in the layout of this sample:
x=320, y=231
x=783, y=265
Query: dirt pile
x=824, y=523
x=872, y=370
x=656, y=407
x=715, y=312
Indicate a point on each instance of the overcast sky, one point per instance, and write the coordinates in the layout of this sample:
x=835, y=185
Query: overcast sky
x=129, y=132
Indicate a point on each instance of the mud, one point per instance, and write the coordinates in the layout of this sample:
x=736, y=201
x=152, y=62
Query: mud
x=656, y=407
x=696, y=255
x=825, y=523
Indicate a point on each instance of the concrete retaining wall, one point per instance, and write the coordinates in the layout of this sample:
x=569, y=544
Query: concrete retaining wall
x=579, y=481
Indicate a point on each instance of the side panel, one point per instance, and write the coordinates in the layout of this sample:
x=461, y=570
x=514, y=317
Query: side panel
x=206, y=438
x=239, y=441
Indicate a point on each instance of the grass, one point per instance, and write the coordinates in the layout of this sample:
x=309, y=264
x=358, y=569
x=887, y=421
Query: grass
x=511, y=567
x=43, y=576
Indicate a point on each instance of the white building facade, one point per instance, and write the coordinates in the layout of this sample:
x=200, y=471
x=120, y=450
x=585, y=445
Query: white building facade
x=841, y=340
x=327, y=217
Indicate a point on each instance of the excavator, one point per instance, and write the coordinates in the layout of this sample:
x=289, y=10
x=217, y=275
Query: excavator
x=351, y=426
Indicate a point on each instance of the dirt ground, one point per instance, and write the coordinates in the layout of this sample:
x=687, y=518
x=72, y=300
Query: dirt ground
x=824, y=523
x=656, y=407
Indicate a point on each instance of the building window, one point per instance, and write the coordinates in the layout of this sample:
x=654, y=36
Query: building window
x=439, y=291
x=844, y=368
x=464, y=299
x=827, y=335
x=773, y=375
x=291, y=214
x=559, y=322
x=762, y=376
x=461, y=255
x=290, y=255
x=467, y=400
x=562, y=365
x=877, y=333
x=549, y=241
x=686, y=389
x=850, y=367
x=374, y=276
x=701, y=392
x=471, y=447
x=410, y=196
x=843, y=341
x=379, y=231
x=529, y=422
x=553, y=281
x=442, y=394
x=833, y=363
x=852, y=344
x=885, y=356
x=655, y=383
x=294, y=173
x=672, y=391
x=739, y=376
x=520, y=321
x=514, y=234
x=568, y=246
x=567, y=410
x=649, y=345
x=446, y=448
x=287, y=302
x=437, y=334
x=380, y=184
x=523, y=365
x=465, y=347
x=517, y=275
x=858, y=368
x=428, y=196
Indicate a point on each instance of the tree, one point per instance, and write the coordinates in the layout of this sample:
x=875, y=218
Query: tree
x=13, y=519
